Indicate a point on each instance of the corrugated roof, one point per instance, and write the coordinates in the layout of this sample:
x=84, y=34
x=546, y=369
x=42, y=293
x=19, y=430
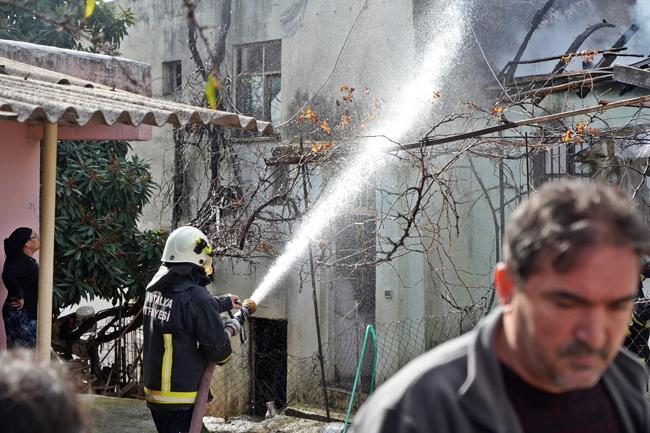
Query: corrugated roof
x=28, y=93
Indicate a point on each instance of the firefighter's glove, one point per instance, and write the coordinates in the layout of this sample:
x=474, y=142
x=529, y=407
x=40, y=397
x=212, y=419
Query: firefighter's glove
x=232, y=326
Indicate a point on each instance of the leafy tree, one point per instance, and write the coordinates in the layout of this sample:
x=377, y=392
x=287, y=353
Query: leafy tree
x=98, y=250
x=63, y=24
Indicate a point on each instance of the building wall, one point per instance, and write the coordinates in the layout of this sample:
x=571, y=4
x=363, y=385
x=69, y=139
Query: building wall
x=326, y=44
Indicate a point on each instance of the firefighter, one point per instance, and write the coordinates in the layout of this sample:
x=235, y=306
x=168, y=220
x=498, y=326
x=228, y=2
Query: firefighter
x=183, y=331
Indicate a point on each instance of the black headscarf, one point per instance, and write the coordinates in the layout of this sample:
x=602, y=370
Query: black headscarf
x=16, y=241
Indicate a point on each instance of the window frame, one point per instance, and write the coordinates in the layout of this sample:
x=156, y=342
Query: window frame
x=266, y=78
x=172, y=76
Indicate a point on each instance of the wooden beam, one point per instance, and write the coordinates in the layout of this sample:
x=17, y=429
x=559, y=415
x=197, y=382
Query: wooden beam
x=580, y=54
x=631, y=75
x=543, y=91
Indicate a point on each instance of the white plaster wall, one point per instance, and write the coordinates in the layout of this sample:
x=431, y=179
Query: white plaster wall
x=315, y=63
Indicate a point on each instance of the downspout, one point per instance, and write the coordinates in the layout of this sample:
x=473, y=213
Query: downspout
x=46, y=265
x=312, y=272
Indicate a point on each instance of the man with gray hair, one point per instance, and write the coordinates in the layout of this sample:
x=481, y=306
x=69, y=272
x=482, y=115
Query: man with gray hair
x=37, y=396
x=549, y=358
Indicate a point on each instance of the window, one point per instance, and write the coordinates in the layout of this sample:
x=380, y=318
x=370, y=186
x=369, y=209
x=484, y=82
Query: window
x=172, y=76
x=258, y=80
x=560, y=161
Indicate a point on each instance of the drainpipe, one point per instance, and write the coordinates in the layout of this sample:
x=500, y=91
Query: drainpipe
x=314, y=296
x=46, y=265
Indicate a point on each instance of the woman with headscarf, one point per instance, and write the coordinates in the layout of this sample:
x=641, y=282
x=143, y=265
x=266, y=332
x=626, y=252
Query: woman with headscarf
x=20, y=277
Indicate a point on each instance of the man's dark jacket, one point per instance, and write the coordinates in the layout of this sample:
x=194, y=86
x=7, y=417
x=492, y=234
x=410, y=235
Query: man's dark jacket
x=182, y=333
x=458, y=388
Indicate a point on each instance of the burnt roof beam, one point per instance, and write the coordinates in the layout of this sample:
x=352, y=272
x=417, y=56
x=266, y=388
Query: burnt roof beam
x=608, y=59
x=633, y=76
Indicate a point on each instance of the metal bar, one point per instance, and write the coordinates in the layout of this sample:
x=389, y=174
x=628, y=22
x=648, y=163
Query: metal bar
x=527, y=164
x=314, y=295
x=46, y=266
x=525, y=122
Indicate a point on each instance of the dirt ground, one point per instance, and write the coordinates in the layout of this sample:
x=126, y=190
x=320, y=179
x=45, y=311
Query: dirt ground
x=123, y=415
x=278, y=424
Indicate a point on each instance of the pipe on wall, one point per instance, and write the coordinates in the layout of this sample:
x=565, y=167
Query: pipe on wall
x=46, y=265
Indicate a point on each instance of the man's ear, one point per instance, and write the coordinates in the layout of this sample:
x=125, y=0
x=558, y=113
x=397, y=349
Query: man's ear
x=504, y=283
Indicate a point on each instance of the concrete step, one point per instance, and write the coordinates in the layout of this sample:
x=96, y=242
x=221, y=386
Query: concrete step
x=313, y=412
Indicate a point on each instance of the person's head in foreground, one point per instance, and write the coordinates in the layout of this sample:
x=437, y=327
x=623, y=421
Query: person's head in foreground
x=36, y=397
x=548, y=358
x=570, y=273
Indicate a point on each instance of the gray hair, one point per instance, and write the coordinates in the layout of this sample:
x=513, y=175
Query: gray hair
x=564, y=219
x=36, y=396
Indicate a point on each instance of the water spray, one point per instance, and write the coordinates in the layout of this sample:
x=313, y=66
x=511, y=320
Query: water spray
x=248, y=308
x=372, y=157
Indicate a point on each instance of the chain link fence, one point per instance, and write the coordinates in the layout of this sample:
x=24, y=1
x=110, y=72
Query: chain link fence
x=257, y=376
x=638, y=333
x=263, y=371
x=297, y=383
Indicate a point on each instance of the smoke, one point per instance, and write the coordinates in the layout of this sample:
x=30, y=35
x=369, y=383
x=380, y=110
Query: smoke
x=568, y=19
x=641, y=16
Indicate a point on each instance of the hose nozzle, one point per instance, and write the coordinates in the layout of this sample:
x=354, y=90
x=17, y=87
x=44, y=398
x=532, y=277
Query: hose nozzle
x=248, y=307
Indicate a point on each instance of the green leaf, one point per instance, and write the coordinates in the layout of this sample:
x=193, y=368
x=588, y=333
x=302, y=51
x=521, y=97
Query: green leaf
x=90, y=8
x=211, y=91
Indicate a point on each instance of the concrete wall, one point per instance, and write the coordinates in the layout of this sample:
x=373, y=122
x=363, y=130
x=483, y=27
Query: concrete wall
x=111, y=71
x=160, y=35
x=324, y=44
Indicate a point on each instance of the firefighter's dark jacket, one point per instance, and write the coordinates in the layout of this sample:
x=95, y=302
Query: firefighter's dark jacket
x=182, y=333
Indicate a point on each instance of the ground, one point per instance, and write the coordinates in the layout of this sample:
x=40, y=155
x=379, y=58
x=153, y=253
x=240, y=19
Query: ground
x=110, y=414
x=278, y=424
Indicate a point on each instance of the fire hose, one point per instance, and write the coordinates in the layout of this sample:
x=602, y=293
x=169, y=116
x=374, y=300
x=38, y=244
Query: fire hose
x=248, y=308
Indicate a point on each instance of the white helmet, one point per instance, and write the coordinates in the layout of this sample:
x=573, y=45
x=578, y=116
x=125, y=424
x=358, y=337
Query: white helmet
x=187, y=245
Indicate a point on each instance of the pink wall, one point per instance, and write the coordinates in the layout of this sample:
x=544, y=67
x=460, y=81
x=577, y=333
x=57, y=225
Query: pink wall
x=19, y=188
x=95, y=132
